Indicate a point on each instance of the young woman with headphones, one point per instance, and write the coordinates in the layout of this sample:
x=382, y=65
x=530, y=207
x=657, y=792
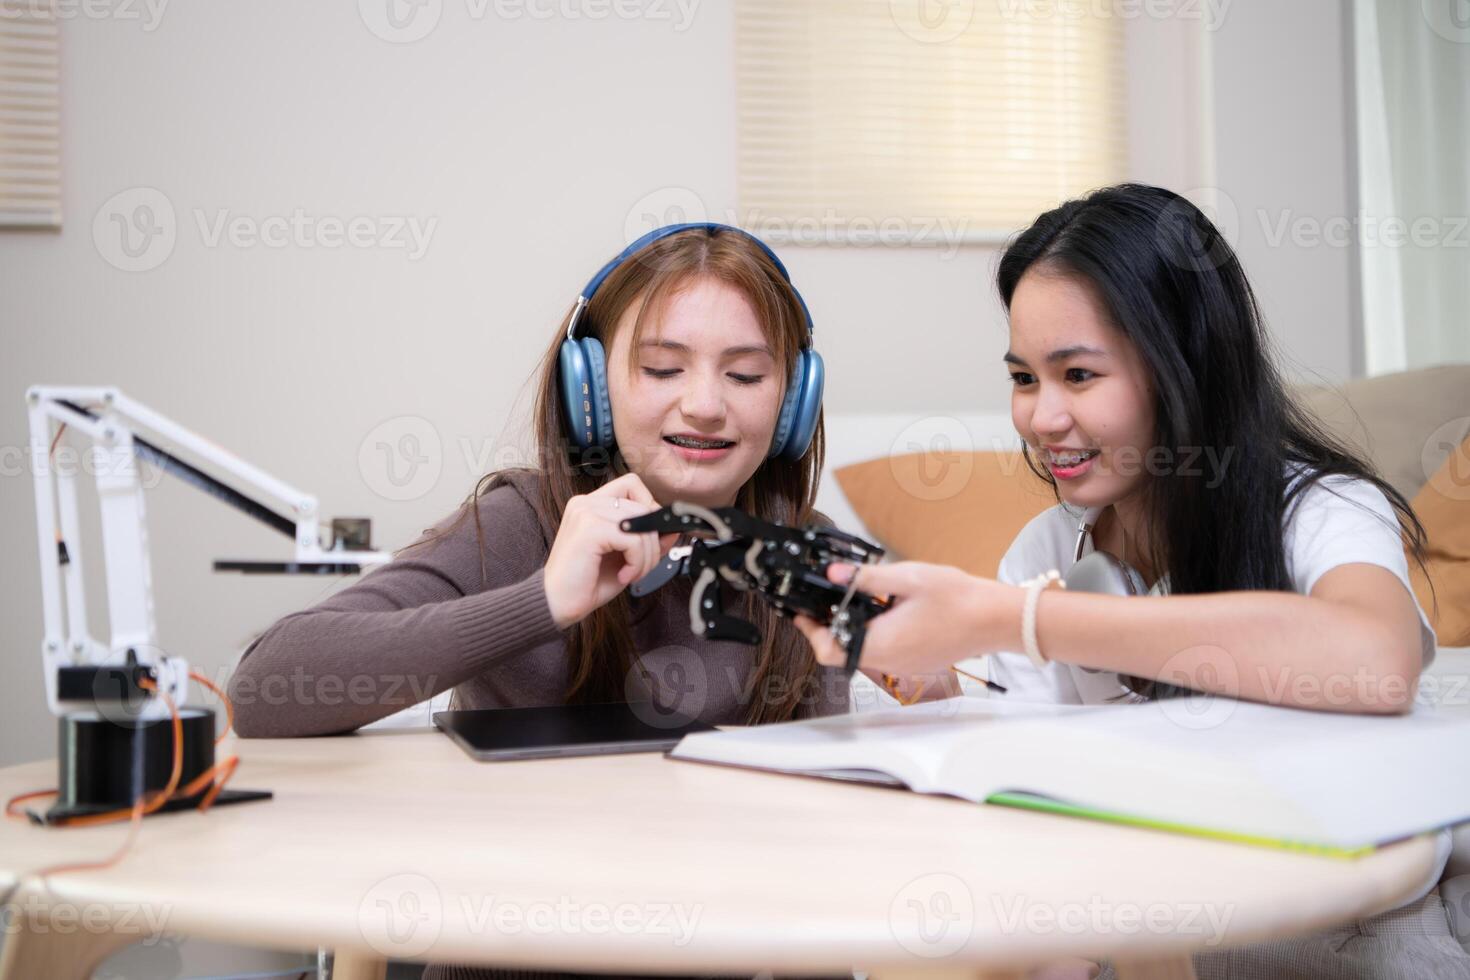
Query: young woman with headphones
x=684, y=370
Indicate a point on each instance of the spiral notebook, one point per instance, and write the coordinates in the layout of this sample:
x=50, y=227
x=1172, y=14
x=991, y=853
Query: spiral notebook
x=1318, y=781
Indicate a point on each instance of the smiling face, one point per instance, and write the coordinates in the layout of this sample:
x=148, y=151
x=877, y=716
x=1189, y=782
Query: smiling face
x=694, y=406
x=1080, y=385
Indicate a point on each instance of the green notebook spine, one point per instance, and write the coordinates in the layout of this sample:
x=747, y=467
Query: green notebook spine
x=1027, y=801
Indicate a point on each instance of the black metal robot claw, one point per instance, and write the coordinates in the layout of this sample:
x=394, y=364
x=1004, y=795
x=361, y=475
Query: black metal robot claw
x=785, y=566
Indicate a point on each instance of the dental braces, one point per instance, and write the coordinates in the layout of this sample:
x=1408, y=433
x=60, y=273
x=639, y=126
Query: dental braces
x=785, y=566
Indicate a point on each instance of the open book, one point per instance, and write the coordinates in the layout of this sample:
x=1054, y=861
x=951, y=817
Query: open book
x=1312, y=780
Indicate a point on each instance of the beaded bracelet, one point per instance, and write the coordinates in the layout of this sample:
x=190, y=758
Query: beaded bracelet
x=1034, y=587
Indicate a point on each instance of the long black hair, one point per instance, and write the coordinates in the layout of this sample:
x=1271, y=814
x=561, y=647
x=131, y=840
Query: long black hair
x=1174, y=287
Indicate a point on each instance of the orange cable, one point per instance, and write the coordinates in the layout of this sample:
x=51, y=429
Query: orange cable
x=892, y=684
x=229, y=708
x=52, y=451
x=10, y=810
x=967, y=674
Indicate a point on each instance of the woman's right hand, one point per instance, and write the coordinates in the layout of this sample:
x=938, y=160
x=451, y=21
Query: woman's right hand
x=592, y=558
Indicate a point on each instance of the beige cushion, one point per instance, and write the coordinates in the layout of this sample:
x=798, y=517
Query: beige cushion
x=1443, y=507
x=1413, y=426
x=1406, y=423
x=961, y=509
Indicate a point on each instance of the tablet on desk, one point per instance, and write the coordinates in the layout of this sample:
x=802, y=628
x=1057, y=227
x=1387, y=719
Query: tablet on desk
x=500, y=734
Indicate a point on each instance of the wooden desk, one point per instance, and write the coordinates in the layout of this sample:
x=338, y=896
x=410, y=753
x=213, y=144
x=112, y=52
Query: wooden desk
x=396, y=844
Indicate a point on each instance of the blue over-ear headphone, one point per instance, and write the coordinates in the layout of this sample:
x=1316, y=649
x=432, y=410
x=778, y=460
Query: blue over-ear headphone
x=583, y=365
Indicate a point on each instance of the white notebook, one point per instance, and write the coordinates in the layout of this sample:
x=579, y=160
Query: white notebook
x=1285, y=777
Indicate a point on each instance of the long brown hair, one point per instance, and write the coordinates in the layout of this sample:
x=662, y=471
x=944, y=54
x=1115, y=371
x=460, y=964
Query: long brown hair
x=784, y=683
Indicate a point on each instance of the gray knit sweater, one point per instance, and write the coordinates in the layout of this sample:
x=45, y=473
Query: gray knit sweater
x=426, y=622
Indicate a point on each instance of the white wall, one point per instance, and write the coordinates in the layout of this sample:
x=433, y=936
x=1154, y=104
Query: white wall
x=1284, y=148
x=531, y=144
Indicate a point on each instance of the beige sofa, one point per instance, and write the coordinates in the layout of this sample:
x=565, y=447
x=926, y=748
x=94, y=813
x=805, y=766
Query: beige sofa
x=1406, y=423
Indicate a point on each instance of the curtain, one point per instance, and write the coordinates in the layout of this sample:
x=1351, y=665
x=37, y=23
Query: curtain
x=1413, y=227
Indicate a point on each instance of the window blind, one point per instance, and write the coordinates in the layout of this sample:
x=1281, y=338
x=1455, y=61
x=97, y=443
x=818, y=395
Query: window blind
x=30, y=116
x=977, y=114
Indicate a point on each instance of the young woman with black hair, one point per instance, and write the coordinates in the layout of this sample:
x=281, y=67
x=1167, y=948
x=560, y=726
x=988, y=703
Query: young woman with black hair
x=1265, y=559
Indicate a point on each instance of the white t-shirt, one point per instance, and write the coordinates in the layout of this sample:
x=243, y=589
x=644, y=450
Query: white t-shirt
x=1333, y=522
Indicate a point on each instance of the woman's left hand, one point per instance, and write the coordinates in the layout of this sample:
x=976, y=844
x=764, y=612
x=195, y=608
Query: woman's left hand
x=940, y=615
